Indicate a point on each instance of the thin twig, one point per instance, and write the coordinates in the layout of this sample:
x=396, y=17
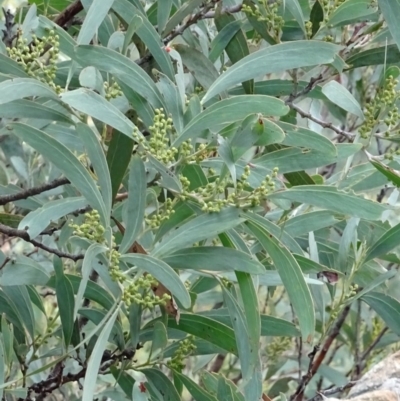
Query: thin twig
x=68, y=13
x=13, y=232
x=4, y=199
x=323, y=124
x=332, y=391
x=315, y=363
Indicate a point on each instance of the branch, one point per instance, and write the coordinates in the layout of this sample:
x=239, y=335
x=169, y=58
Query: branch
x=323, y=124
x=332, y=391
x=13, y=232
x=4, y=199
x=316, y=363
x=68, y=13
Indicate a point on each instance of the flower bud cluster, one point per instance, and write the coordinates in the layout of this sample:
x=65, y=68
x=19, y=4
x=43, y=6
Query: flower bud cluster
x=31, y=58
x=91, y=227
x=385, y=100
x=330, y=6
x=267, y=11
x=112, y=91
x=159, y=143
x=186, y=347
x=139, y=292
x=308, y=25
x=157, y=218
x=276, y=348
x=218, y=194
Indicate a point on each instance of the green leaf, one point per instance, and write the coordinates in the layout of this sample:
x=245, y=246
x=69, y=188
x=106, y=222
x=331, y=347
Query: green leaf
x=35, y=222
x=163, y=12
x=65, y=300
x=208, y=329
x=162, y=273
x=124, y=380
x=94, y=17
x=273, y=326
x=202, y=69
x=330, y=198
x=387, y=308
x=97, y=157
x=147, y=34
x=18, y=88
x=237, y=48
x=292, y=278
x=378, y=281
x=339, y=95
x=351, y=11
x=19, y=296
x=379, y=55
x=197, y=229
x=10, y=67
x=118, y=157
x=95, y=358
x=122, y=68
x=214, y=258
x=23, y=271
x=8, y=339
x=161, y=383
x=198, y=393
x=64, y=160
x=90, y=255
x=160, y=339
x=92, y=104
x=295, y=9
x=168, y=179
x=28, y=109
x=92, y=291
x=186, y=9
x=386, y=243
x=2, y=367
x=391, y=10
x=390, y=173
x=134, y=25
x=271, y=59
x=221, y=114
x=133, y=212
x=223, y=38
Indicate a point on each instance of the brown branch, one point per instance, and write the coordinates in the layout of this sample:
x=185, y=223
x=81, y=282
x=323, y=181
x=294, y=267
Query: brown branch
x=13, y=232
x=332, y=391
x=315, y=363
x=323, y=124
x=68, y=13
x=4, y=199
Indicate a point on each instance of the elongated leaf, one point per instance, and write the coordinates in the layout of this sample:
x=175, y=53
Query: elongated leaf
x=2, y=367
x=133, y=213
x=118, y=157
x=65, y=300
x=93, y=291
x=223, y=38
x=28, y=109
x=88, y=260
x=198, y=64
x=294, y=8
x=163, y=273
x=198, y=393
x=92, y=104
x=35, y=222
x=274, y=59
x=391, y=10
x=214, y=258
x=197, y=229
x=147, y=34
x=292, y=278
x=95, y=359
x=381, y=279
x=390, y=173
x=99, y=163
x=18, y=88
x=24, y=271
x=379, y=55
x=237, y=48
x=9, y=66
x=386, y=243
x=386, y=307
x=227, y=111
x=162, y=384
x=122, y=68
x=339, y=95
x=351, y=10
x=330, y=198
x=64, y=160
x=8, y=338
x=94, y=17
x=19, y=296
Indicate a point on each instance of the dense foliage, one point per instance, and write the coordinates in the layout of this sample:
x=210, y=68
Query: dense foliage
x=198, y=198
